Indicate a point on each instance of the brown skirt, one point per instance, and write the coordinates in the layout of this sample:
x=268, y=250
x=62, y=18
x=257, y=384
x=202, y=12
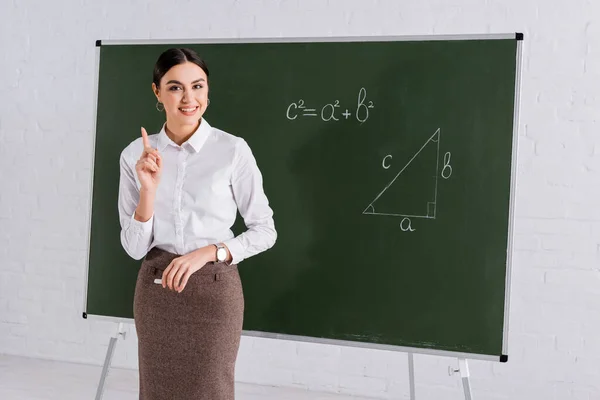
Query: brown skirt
x=188, y=342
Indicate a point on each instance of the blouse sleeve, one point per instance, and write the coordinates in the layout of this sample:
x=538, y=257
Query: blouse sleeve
x=136, y=236
x=253, y=205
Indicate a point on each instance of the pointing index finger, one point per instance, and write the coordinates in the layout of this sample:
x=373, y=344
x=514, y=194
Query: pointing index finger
x=145, y=138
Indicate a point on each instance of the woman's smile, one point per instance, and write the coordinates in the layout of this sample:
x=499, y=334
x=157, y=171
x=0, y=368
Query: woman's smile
x=188, y=111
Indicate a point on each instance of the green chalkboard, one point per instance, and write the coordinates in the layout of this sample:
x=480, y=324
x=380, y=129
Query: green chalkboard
x=389, y=164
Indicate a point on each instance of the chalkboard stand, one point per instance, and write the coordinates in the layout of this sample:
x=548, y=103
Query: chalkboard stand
x=463, y=368
x=107, y=361
x=411, y=375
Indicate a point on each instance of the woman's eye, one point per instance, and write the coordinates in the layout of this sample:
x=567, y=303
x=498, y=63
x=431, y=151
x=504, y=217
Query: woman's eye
x=173, y=88
x=198, y=87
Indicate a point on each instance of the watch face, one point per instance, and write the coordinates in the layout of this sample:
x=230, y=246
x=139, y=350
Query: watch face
x=221, y=254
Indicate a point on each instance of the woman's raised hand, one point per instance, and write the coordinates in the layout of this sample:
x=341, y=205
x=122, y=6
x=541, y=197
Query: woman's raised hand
x=149, y=165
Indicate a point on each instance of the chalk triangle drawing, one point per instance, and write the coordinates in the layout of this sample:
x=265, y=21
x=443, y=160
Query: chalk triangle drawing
x=412, y=192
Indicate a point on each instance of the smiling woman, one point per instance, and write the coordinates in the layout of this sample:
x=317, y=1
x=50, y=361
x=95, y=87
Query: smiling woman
x=179, y=193
x=184, y=77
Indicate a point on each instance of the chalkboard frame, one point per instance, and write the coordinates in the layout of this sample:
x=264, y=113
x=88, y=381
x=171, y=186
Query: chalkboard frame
x=516, y=120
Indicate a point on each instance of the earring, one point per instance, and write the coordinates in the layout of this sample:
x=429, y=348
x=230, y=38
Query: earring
x=208, y=104
x=162, y=107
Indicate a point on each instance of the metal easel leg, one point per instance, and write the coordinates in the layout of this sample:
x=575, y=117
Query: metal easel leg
x=108, y=360
x=463, y=368
x=411, y=375
x=464, y=373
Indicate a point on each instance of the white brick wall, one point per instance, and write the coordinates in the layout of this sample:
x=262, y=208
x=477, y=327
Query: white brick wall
x=46, y=95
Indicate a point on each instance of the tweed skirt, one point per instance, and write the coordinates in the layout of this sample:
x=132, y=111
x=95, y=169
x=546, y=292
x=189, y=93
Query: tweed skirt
x=188, y=342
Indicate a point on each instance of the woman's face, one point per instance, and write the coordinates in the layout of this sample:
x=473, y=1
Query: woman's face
x=184, y=93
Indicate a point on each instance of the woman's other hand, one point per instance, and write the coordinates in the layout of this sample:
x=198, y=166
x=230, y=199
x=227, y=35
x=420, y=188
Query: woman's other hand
x=177, y=273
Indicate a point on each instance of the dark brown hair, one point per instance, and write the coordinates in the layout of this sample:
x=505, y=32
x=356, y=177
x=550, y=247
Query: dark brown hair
x=172, y=57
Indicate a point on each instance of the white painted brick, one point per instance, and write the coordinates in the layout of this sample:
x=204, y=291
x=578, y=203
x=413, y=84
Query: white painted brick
x=591, y=344
x=526, y=345
x=54, y=303
x=544, y=368
x=316, y=363
x=16, y=306
x=583, y=280
x=438, y=392
x=569, y=173
x=588, y=192
x=273, y=346
x=30, y=293
x=73, y=273
x=317, y=381
x=21, y=330
x=554, y=226
x=551, y=150
x=580, y=114
x=351, y=363
x=3, y=305
x=563, y=390
x=547, y=127
x=570, y=344
x=582, y=394
x=9, y=283
x=565, y=243
x=587, y=365
x=46, y=282
x=556, y=259
x=384, y=364
x=268, y=376
x=14, y=318
x=362, y=385
x=592, y=163
x=16, y=345
x=526, y=242
x=549, y=201
x=13, y=266
x=24, y=205
x=317, y=350
x=581, y=210
x=397, y=388
x=526, y=154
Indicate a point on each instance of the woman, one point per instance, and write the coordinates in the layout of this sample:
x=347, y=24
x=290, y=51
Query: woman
x=179, y=192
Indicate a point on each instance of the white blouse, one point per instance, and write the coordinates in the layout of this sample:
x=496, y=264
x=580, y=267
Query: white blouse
x=203, y=184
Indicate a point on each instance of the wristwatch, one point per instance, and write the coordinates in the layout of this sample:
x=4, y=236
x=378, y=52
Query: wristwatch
x=221, y=252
